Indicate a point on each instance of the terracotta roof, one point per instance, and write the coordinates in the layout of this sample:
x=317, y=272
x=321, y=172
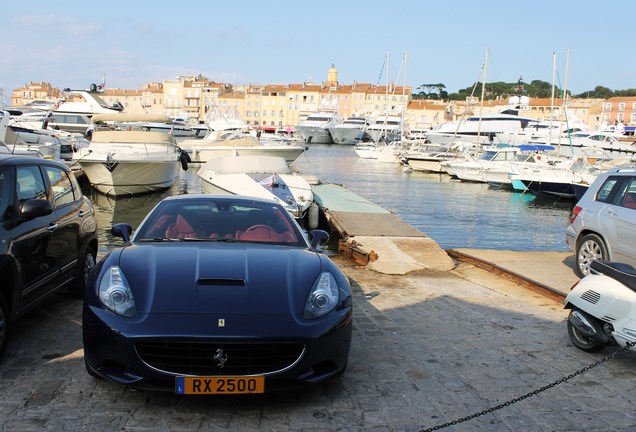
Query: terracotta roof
x=122, y=92
x=426, y=105
x=622, y=99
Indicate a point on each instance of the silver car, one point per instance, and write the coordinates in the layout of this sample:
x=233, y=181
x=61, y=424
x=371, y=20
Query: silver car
x=603, y=222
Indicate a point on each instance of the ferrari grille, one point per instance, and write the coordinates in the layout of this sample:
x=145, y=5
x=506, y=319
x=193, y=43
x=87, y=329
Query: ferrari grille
x=200, y=358
x=591, y=296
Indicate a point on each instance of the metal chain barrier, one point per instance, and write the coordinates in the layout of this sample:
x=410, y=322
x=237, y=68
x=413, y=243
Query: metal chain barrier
x=532, y=393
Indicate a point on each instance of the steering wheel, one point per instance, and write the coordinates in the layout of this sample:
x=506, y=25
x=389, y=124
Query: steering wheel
x=268, y=229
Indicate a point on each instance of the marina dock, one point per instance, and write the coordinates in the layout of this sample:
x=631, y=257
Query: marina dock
x=378, y=239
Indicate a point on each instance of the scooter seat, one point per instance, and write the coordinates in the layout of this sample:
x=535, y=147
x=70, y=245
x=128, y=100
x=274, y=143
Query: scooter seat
x=623, y=273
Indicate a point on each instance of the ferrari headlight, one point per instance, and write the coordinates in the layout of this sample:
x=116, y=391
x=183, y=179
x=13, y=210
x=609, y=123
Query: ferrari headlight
x=323, y=296
x=115, y=293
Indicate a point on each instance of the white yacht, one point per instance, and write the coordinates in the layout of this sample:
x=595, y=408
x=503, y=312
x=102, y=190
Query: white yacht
x=315, y=128
x=483, y=128
x=87, y=102
x=430, y=158
x=473, y=169
x=350, y=132
x=385, y=128
x=130, y=162
x=179, y=127
x=259, y=176
x=610, y=142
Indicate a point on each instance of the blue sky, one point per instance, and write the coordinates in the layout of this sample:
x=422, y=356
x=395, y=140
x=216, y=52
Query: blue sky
x=74, y=43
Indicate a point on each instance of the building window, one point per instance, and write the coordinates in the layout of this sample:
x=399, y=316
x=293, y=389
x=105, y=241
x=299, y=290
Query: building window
x=608, y=106
x=633, y=118
x=620, y=117
x=621, y=106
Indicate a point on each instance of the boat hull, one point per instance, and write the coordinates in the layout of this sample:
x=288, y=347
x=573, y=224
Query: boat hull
x=314, y=135
x=205, y=153
x=125, y=178
x=347, y=136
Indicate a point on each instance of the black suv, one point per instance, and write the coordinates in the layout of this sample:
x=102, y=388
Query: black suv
x=48, y=235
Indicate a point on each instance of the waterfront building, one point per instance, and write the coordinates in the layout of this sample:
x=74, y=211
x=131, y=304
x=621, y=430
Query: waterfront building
x=423, y=114
x=281, y=106
x=619, y=110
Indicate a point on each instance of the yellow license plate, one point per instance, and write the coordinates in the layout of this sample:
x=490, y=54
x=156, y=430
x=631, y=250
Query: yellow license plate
x=219, y=385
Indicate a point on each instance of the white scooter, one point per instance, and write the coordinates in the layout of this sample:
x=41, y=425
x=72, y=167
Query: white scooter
x=603, y=307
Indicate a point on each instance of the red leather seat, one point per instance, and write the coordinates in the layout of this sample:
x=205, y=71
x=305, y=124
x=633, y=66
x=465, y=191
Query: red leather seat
x=180, y=229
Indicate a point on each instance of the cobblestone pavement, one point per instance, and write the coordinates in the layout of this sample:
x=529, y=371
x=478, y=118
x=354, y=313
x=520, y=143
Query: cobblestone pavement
x=427, y=349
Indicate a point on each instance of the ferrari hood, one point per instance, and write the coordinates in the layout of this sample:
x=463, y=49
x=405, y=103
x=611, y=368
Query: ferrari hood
x=215, y=278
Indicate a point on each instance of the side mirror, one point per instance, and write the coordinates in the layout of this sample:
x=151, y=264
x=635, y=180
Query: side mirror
x=317, y=237
x=36, y=207
x=122, y=230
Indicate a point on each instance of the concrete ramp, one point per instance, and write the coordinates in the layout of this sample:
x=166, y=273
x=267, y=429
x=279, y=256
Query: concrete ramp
x=391, y=245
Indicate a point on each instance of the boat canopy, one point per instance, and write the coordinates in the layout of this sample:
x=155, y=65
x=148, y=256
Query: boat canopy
x=535, y=147
x=110, y=137
x=130, y=117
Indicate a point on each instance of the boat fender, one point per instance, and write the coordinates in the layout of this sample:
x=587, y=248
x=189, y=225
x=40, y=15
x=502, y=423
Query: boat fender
x=185, y=159
x=312, y=216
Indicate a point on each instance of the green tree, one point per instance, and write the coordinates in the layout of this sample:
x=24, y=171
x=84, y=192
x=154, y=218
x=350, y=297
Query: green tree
x=432, y=91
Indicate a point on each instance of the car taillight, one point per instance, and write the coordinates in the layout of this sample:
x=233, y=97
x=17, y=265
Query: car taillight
x=575, y=212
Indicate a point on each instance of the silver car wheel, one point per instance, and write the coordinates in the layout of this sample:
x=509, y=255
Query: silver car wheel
x=590, y=248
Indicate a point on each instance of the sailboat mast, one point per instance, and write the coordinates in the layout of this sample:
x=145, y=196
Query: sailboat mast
x=552, y=97
x=483, y=93
x=403, y=98
x=564, y=104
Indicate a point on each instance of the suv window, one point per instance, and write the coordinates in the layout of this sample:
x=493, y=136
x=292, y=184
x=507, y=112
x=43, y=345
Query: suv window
x=604, y=192
x=627, y=196
x=61, y=186
x=30, y=183
x=618, y=190
x=5, y=191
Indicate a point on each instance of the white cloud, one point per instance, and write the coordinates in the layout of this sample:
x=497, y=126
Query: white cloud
x=53, y=25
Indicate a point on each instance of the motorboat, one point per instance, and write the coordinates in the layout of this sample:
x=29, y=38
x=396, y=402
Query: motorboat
x=430, y=158
x=611, y=142
x=563, y=181
x=540, y=132
x=350, y=132
x=130, y=162
x=204, y=149
x=385, y=128
x=178, y=127
x=529, y=157
x=87, y=102
x=472, y=169
x=259, y=176
x=482, y=128
x=229, y=136
x=383, y=152
x=315, y=128
x=12, y=142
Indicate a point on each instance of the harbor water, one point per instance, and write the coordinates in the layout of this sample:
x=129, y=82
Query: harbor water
x=455, y=214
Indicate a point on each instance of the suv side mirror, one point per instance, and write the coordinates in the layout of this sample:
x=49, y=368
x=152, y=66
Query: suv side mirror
x=35, y=207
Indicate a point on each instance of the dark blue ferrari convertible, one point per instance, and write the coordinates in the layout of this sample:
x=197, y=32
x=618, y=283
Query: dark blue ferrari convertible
x=217, y=295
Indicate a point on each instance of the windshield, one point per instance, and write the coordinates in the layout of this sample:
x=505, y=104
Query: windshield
x=220, y=219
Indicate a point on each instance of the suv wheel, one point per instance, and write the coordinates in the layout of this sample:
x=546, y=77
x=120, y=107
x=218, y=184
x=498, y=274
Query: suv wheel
x=76, y=289
x=4, y=326
x=589, y=248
